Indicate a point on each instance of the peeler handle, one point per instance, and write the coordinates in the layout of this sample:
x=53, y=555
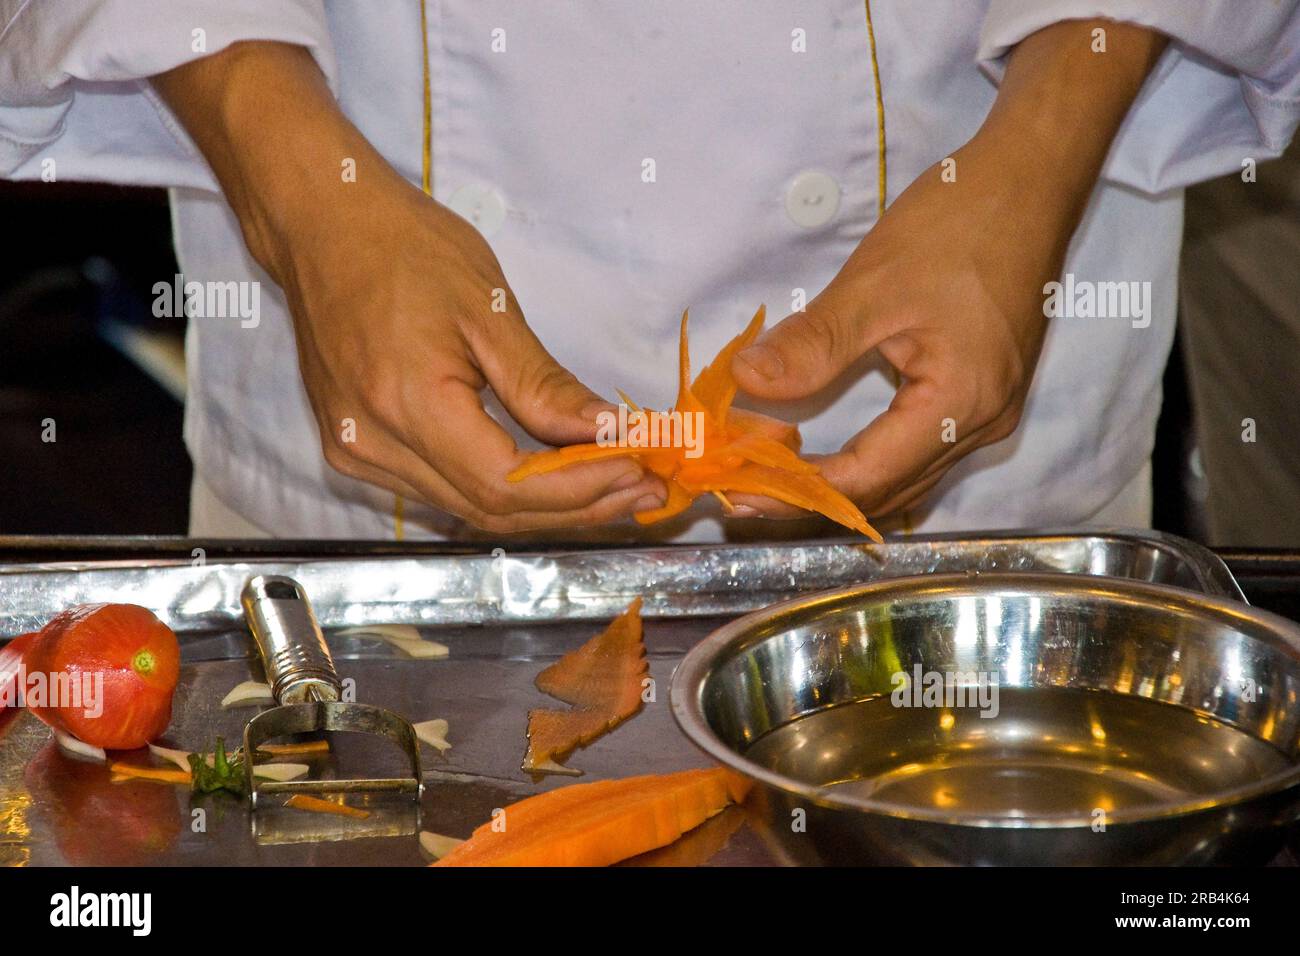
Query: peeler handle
x=297, y=661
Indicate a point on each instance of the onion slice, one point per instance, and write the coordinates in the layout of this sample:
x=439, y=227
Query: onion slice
x=437, y=845
x=404, y=637
x=80, y=748
x=433, y=733
x=280, y=772
x=179, y=757
x=249, y=693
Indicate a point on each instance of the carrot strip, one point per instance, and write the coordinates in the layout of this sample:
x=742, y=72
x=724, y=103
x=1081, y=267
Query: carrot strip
x=542, y=462
x=295, y=750
x=715, y=387
x=301, y=801
x=598, y=824
x=150, y=773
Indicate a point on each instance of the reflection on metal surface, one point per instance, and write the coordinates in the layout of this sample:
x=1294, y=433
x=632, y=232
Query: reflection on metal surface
x=501, y=628
x=1167, y=716
x=518, y=588
x=14, y=829
x=280, y=826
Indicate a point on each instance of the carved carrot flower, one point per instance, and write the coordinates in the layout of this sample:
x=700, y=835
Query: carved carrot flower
x=738, y=452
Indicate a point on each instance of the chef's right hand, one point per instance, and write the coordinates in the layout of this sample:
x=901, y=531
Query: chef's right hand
x=400, y=309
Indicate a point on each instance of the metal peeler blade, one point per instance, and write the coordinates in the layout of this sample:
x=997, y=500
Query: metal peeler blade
x=307, y=688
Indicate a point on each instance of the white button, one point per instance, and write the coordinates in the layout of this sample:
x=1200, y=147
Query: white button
x=480, y=204
x=812, y=199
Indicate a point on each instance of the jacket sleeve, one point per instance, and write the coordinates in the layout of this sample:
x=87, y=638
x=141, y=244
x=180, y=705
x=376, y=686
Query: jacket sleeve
x=73, y=86
x=1227, y=88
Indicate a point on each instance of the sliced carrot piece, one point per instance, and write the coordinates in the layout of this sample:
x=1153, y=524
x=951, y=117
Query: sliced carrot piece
x=553, y=459
x=598, y=824
x=304, y=749
x=603, y=679
x=742, y=421
x=715, y=387
x=301, y=801
x=696, y=847
x=736, y=442
x=159, y=774
x=768, y=451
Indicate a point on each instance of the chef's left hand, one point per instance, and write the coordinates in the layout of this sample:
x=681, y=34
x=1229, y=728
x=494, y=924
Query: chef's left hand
x=948, y=286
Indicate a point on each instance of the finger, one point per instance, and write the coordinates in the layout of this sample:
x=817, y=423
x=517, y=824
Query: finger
x=805, y=351
x=894, y=450
x=423, y=484
x=538, y=392
x=913, y=493
x=474, y=453
x=761, y=506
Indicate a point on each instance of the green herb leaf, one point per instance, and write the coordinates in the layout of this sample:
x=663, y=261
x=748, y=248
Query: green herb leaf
x=222, y=774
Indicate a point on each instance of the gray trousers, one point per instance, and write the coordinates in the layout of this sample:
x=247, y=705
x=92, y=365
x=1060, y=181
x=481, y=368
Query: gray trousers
x=1240, y=315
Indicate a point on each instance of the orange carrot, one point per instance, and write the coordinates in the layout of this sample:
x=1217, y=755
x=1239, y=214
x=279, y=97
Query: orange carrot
x=598, y=824
x=150, y=773
x=742, y=451
x=306, y=749
x=603, y=679
x=301, y=801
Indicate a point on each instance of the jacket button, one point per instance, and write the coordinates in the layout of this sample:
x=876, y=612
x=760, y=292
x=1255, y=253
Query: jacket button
x=812, y=199
x=481, y=205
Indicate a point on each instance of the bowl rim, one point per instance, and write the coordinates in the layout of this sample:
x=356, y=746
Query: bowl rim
x=686, y=691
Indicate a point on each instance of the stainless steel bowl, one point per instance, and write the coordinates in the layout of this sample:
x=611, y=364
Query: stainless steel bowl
x=1041, y=719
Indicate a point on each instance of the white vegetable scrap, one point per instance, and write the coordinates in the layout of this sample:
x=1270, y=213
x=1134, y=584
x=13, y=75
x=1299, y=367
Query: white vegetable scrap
x=437, y=845
x=248, y=693
x=268, y=771
x=79, y=747
x=179, y=757
x=550, y=766
x=433, y=733
x=280, y=772
x=404, y=637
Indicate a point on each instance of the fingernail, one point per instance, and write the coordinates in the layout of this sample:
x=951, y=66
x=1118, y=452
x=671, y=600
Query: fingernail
x=742, y=511
x=592, y=411
x=763, y=360
x=648, y=503
x=626, y=481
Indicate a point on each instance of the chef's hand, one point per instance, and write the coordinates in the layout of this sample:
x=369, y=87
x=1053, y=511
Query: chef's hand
x=948, y=286
x=400, y=310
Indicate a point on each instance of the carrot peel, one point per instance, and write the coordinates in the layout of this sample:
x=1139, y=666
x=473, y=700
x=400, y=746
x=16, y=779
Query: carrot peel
x=602, y=679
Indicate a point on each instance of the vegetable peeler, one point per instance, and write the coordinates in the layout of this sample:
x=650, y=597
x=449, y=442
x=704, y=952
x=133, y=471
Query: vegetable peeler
x=309, y=693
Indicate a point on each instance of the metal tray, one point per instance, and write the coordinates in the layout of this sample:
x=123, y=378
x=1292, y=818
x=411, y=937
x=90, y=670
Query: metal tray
x=504, y=616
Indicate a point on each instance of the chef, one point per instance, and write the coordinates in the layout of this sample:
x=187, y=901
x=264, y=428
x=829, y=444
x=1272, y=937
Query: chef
x=469, y=222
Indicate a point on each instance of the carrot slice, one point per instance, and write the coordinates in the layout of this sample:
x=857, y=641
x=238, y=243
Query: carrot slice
x=735, y=442
x=715, y=387
x=603, y=679
x=301, y=801
x=150, y=773
x=742, y=421
x=598, y=824
x=553, y=459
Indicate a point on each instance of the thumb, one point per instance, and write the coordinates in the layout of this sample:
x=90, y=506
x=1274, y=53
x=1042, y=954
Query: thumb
x=539, y=393
x=804, y=352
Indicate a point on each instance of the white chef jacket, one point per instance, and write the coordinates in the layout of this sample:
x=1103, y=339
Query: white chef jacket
x=761, y=119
